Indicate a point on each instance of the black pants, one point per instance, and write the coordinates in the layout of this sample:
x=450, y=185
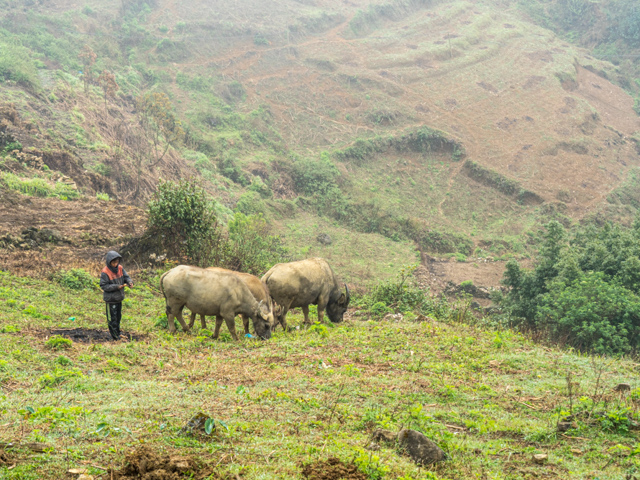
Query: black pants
x=114, y=314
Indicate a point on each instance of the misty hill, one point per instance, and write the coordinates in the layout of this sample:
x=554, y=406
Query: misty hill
x=456, y=127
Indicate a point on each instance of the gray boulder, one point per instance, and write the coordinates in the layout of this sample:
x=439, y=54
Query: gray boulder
x=421, y=450
x=324, y=239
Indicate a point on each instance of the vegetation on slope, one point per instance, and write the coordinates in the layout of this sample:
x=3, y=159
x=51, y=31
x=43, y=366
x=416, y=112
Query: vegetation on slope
x=490, y=399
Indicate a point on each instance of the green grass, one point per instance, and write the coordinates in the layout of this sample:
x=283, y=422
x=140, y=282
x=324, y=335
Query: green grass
x=38, y=187
x=489, y=399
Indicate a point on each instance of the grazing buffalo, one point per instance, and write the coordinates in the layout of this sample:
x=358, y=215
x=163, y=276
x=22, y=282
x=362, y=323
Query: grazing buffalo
x=208, y=292
x=258, y=289
x=304, y=283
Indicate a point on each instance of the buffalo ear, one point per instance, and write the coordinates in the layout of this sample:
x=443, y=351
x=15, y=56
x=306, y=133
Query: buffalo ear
x=264, y=310
x=342, y=300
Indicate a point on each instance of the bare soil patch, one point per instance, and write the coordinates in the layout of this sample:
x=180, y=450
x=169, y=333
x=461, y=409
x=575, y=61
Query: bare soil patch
x=145, y=464
x=90, y=335
x=332, y=469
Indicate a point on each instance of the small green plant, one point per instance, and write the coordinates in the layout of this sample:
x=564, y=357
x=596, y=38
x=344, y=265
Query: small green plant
x=59, y=376
x=9, y=329
x=64, y=361
x=75, y=279
x=102, y=196
x=319, y=329
x=58, y=342
x=370, y=465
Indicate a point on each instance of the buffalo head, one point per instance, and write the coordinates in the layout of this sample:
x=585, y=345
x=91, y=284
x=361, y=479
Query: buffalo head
x=336, y=307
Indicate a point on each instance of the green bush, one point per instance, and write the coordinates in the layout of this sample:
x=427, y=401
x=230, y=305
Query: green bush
x=251, y=246
x=314, y=177
x=182, y=218
x=584, y=289
x=401, y=294
x=16, y=64
x=75, y=279
x=58, y=343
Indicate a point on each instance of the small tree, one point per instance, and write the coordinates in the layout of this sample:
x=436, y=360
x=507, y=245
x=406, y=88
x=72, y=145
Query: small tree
x=183, y=221
x=160, y=123
x=88, y=58
x=107, y=82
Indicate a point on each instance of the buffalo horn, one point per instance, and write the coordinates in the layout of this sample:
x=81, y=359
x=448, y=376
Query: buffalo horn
x=348, y=295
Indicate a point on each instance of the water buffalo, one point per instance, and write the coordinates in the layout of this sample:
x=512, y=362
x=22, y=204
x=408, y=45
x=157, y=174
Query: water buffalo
x=208, y=292
x=307, y=282
x=259, y=290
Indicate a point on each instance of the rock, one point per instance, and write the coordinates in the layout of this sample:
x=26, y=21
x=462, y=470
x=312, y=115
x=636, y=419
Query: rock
x=622, y=387
x=77, y=471
x=393, y=317
x=383, y=436
x=324, y=239
x=421, y=450
x=540, y=458
x=195, y=425
x=48, y=235
x=564, y=426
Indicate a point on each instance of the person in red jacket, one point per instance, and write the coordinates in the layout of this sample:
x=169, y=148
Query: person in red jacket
x=113, y=279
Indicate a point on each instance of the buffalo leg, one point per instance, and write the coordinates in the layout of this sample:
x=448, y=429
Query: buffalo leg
x=322, y=305
x=171, y=322
x=305, y=311
x=216, y=332
x=283, y=321
x=231, y=325
x=203, y=322
x=184, y=326
x=192, y=319
x=245, y=323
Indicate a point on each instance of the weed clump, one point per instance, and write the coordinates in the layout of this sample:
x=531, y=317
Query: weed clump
x=58, y=342
x=75, y=279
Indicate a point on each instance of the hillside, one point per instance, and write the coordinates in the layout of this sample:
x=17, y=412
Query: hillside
x=446, y=127
x=490, y=399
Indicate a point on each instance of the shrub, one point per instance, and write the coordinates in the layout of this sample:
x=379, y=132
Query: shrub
x=58, y=342
x=584, y=289
x=314, y=177
x=182, y=219
x=252, y=248
x=401, y=295
x=75, y=279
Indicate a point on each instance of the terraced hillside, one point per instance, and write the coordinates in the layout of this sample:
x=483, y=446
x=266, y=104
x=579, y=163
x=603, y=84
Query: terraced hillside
x=446, y=126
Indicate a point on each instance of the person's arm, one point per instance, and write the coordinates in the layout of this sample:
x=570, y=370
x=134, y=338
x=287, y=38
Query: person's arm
x=127, y=278
x=106, y=286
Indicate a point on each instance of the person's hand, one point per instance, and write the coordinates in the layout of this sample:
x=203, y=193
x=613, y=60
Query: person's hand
x=121, y=287
x=130, y=284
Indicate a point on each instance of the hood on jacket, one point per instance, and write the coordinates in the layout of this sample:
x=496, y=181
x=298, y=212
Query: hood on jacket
x=112, y=256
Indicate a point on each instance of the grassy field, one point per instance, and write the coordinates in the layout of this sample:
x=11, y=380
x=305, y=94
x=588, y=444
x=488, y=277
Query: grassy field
x=490, y=399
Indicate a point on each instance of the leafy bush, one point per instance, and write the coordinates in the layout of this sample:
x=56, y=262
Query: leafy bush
x=251, y=247
x=401, y=295
x=75, y=279
x=584, y=289
x=16, y=64
x=182, y=219
x=58, y=342
x=314, y=177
